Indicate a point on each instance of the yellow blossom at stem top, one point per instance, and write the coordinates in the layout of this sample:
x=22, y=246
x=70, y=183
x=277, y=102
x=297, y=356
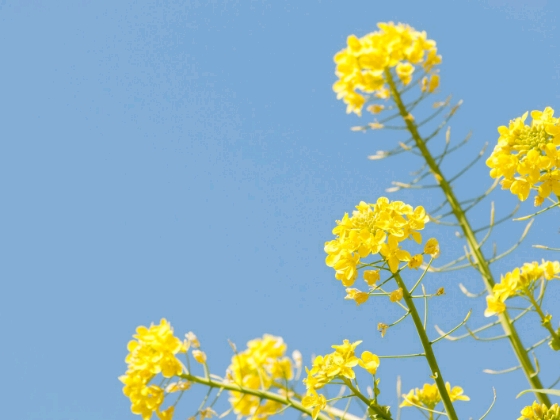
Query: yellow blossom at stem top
x=361, y=66
x=527, y=157
x=379, y=228
x=152, y=352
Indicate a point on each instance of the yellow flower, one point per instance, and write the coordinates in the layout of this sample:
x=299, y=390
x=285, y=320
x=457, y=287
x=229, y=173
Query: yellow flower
x=192, y=340
x=358, y=296
x=456, y=393
x=416, y=261
x=261, y=366
x=538, y=411
x=326, y=368
x=152, y=352
x=315, y=401
x=393, y=253
x=527, y=157
x=166, y=414
x=178, y=386
x=550, y=269
x=404, y=71
x=429, y=396
x=378, y=228
x=199, y=356
x=361, y=66
x=382, y=328
x=207, y=413
x=432, y=247
x=375, y=109
x=369, y=362
x=396, y=295
x=371, y=277
x=434, y=83
x=519, y=281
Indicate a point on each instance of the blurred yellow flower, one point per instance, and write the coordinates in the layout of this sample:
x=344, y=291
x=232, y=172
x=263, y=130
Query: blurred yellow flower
x=538, y=411
x=199, y=356
x=396, y=295
x=261, y=366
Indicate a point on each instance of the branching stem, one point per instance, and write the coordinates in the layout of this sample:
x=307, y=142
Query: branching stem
x=481, y=263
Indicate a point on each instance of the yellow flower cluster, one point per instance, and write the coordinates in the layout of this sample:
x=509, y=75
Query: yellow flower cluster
x=372, y=229
x=361, y=65
x=538, y=411
x=261, y=366
x=152, y=352
x=528, y=157
x=326, y=368
x=519, y=281
x=429, y=396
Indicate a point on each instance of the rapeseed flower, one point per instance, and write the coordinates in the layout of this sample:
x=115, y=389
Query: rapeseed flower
x=361, y=66
x=152, y=352
x=356, y=295
x=538, y=411
x=379, y=228
x=340, y=363
x=261, y=366
x=519, y=281
x=527, y=157
x=429, y=396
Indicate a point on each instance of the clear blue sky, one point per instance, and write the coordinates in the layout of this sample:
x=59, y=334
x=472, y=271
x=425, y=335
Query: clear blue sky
x=188, y=160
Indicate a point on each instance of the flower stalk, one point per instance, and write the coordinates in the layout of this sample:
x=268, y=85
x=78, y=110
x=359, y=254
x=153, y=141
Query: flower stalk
x=428, y=351
x=265, y=395
x=479, y=259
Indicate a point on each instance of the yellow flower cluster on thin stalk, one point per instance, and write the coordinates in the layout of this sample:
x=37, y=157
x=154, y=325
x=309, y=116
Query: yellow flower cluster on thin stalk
x=527, y=157
x=339, y=363
x=262, y=366
x=360, y=67
x=428, y=396
x=378, y=228
x=519, y=281
x=538, y=411
x=371, y=69
x=152, y=352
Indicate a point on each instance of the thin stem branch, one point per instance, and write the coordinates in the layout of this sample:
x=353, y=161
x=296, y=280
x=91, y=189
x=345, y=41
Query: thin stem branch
x=429, y=353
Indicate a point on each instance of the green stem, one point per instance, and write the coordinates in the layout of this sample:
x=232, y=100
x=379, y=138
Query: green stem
x=545, y=322
x=429, y=353
x=370, y=403
x=256, y=392
x=469, y=234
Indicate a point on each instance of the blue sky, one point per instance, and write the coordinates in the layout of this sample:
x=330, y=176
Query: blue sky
x=188, y=160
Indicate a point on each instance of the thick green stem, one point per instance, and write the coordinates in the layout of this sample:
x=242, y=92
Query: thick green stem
x=429, y=353
x=479, y=259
